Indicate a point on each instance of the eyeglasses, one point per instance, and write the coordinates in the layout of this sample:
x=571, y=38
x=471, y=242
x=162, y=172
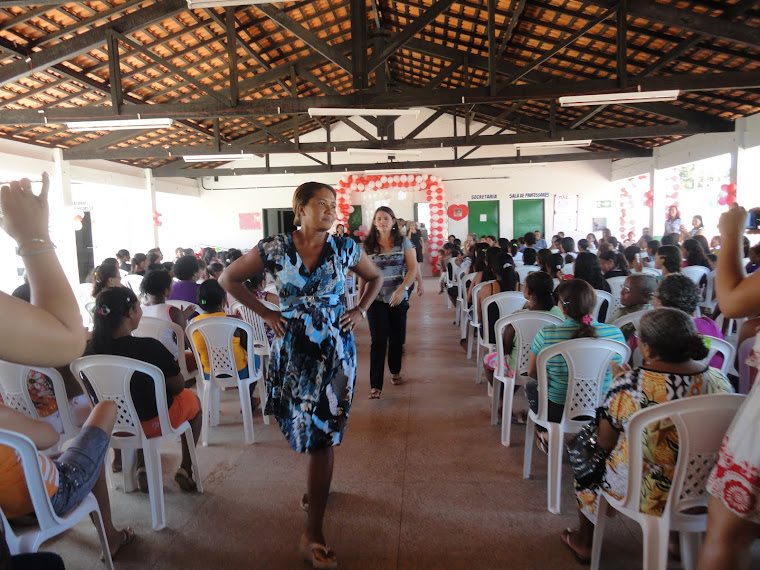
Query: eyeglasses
x=626, y=289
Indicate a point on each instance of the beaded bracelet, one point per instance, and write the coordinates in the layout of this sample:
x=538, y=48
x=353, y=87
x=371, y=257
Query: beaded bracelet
x=35, y=240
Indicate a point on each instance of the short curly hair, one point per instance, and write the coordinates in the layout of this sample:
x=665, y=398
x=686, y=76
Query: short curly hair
x=678, y=291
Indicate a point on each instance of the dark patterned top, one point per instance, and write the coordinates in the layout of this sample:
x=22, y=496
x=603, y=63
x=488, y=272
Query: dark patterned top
x=310, y=382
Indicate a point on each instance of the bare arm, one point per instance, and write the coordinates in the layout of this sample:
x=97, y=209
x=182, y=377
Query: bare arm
x=175, y=384
x=532, y=366
x=232, y=280
x=41, y=433
x=53, y=319
x=737, y=294
x=410, y=260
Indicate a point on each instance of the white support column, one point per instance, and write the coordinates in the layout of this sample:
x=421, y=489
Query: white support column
x=651, y=210
x=150, y=185
x=62, y=217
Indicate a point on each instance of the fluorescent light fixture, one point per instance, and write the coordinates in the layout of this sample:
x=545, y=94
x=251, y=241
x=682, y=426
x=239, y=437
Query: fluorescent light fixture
x=215, y=157
x=118, y=125
x=619, y=98
x=222, y=3
x=517, y=165
x=383, y=152
x=397, y=171
x=553, y=144
x=348, y=112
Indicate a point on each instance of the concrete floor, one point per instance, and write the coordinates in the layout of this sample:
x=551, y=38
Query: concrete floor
x=421, y=481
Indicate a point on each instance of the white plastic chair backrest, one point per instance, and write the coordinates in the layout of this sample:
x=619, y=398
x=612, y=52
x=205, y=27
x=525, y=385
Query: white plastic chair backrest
x=616, y=289
x=587, y=362
x=701, y=422
x=452, y=271
x=696, y=273
x=110, y=377
x=464, y=284
x=632, y=319
x=725, y=348
x=651, y=271
x=601, y=297
x=475, y=292
x=182, y=304
x=152, y=327
x=567, y=269
x=526, y=325
x=556, y=282
x=14, y=387
x=524, y=270
x=710, y=289
x=133, y=281
x=260, y=340
x=217, y=333
x=507, y=302
x=30, y=463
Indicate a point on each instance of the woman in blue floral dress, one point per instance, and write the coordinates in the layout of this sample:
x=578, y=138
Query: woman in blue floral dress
x=312, y=364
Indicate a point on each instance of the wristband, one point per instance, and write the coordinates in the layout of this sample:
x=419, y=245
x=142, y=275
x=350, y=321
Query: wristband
x=362, y=312
x=406, y=288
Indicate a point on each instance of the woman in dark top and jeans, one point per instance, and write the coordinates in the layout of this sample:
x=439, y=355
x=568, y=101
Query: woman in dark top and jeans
x=117, y=315
x=396, y=258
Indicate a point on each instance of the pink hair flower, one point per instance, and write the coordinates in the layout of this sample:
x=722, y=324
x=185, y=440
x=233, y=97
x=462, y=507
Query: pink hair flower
x=587, y=319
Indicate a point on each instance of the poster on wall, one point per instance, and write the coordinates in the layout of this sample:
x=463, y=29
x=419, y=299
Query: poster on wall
x=598, y=224
x=250, y=221
x=565, y=212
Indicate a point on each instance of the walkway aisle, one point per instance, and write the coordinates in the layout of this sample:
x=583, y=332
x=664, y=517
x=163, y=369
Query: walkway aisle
x=421, y=481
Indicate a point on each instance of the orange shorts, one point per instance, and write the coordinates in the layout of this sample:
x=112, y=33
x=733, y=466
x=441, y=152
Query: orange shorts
x=184, y=407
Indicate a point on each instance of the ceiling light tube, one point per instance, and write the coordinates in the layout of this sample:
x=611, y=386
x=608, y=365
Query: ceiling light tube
x=396, y=171
x=215, y=157
x=118, y=125
x=383, y=152
x=619, y=98
x=349, y=112
x=516, y=165
x=553, y=144
x=222, y=3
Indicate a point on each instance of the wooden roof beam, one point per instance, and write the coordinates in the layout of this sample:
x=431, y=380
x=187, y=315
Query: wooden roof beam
x=81, y=43
x=307, y=36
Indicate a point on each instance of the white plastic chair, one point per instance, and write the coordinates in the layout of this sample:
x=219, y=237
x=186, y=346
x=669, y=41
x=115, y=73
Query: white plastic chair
x=260, y=340
x=152, y=327
x=601, y=297
x=696, y=273
x=526, y=325
x=709, y=302
x=616, y=289
x=462, y=310
x=567, y=269
x=701, y=422
x=14, y=389
x=630, y=319
x=133, y=281
x=523, y=271
x=587, y=362
x=475, y=319
x=183, y=304
x=651, y=271
x=507, y=302
x=725, y=348
x=451, y=277
x=217, y=333
x=27, y=539
x=110, y=378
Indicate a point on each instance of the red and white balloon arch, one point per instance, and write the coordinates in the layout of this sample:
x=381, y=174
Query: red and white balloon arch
x=401, y=182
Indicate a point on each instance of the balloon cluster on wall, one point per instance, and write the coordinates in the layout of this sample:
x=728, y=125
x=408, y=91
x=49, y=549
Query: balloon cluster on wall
x=727, y=194
x=157, y=219
x=673, y=188
x=633, y=188
x=387, y=186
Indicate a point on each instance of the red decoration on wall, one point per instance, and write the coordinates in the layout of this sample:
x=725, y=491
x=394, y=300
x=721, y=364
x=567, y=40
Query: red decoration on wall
x=458, y=211
x=157, y=219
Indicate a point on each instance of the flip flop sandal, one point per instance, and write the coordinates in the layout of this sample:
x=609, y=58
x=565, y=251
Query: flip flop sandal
x=396, y=379
x=520, y=419
x=142, y=480
x=127, y=536
x=541, y=443
x=318, y=555
x=566, y=540
x=185, y=481
x=305, y=503
x=374, y=394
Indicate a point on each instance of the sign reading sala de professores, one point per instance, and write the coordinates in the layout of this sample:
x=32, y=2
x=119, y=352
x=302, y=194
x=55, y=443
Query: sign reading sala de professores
x=530, y=195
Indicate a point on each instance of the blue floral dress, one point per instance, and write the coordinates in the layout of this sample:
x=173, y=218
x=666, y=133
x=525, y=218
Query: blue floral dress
x=310, y=382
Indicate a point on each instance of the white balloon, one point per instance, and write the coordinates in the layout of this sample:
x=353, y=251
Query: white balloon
x=383, y=179
x=403, y=178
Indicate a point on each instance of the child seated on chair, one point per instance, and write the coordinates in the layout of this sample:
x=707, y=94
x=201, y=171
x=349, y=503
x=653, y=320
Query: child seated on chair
x=70, y=477
x=211, y=298
x=117, y=314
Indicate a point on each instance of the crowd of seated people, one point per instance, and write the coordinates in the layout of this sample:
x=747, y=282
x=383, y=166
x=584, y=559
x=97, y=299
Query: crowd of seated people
x=672, y=337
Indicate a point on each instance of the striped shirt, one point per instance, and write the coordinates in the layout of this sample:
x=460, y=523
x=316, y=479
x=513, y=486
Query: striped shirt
x=14, y=494
x=556, y=367
x=392, y=266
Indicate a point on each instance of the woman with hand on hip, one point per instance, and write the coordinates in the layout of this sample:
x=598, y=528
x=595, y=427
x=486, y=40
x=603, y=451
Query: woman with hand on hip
x=312, y=364
x=396, y=258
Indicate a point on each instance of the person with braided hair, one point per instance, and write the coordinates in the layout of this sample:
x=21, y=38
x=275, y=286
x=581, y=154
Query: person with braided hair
x=577, y=300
